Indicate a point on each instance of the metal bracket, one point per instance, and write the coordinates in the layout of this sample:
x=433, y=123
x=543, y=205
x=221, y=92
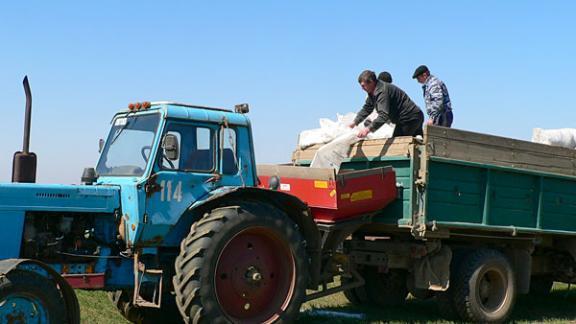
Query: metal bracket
x=140, y=272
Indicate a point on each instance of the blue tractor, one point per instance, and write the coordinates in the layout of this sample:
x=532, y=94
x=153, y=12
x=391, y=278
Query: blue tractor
x=171, y=222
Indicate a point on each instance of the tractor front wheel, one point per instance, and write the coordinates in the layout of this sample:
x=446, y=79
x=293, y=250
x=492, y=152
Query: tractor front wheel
x=28, y=297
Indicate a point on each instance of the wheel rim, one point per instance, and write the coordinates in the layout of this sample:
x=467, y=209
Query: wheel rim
x=255, y=276
x=19, y=308
x=492, y=290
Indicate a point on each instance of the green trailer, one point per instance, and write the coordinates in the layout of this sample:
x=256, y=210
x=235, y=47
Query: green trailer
x=479, y=219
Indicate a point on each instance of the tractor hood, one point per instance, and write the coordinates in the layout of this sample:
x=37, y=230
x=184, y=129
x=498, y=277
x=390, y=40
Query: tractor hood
x=51, y=197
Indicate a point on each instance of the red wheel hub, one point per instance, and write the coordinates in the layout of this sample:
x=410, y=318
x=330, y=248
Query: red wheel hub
x=255, y=276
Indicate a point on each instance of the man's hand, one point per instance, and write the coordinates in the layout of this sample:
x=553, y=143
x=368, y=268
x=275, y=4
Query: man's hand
x=430, y=121
x=352, y=125
x=363, y=132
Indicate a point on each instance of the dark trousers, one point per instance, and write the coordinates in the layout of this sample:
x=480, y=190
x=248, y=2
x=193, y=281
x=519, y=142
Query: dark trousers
x=445, y=119
x=410, y=128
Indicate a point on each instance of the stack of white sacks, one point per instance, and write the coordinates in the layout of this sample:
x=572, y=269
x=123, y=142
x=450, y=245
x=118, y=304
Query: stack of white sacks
x=339, y=138
x=564, y=137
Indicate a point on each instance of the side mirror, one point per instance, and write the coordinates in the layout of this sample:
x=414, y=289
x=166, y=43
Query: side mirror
x=100, y=145
x=170, y=147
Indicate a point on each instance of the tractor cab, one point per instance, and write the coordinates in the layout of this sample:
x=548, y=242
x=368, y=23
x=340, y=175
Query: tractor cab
x=168, y=156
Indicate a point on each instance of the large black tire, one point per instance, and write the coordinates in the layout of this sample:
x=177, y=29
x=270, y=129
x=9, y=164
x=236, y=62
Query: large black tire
x=541, y=285
x=26, y=288
x=385, y=289
x=357, y=296
x=168, y=313
x=418, y=293
x=243, y=265
x=484, y=288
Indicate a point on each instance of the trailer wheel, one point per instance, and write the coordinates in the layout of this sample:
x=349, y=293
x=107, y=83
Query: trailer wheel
x=27, y=297
x=418, y=293
x=386, y=289
x=541, y=285
x=241, y=265
x=357, y=296
x=484, y=289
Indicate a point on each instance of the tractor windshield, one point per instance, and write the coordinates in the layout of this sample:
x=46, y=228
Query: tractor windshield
x=128, y=146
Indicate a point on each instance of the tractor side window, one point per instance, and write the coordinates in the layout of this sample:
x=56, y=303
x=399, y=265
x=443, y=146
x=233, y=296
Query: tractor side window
x=201, y=155
x=229, y=157
x=196, y=148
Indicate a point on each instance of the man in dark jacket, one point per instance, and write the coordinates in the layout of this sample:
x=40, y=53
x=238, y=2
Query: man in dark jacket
x=392, y=104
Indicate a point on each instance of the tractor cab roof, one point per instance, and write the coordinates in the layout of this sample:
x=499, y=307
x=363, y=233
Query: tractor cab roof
x=175, y=110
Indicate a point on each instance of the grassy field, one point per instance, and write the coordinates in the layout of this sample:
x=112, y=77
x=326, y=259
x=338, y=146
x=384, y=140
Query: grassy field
x=559, y=307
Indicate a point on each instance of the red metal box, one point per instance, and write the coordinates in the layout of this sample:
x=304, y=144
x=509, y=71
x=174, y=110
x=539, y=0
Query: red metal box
x=333, y=197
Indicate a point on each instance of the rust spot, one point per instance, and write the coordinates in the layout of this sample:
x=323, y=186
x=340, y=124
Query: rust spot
x=133, y=227
x=151, y=187
x=153, y=241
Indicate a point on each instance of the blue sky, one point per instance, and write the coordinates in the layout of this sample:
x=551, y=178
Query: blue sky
x=510, y=66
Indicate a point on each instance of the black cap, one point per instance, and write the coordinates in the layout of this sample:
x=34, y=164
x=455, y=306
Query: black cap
x=419, y=70
x=385, y=76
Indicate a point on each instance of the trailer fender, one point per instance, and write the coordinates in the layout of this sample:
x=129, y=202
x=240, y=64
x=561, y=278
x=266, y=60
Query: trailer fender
x=432, y=271
x=72, y=306
x=521, y=260
x=295, y=208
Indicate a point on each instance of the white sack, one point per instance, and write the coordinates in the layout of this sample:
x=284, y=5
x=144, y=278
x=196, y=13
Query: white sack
x=332, y=154
x=564, y=137
x=330, y=130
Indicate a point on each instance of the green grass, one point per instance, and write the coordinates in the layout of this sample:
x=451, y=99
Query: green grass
x=559, y=307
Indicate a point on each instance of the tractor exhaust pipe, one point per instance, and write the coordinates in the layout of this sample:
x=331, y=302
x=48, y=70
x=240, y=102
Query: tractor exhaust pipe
x=24, y=162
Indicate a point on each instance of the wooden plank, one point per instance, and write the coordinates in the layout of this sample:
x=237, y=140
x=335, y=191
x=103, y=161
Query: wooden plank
x=509, y=143
x=398, y=146
x=497, y=155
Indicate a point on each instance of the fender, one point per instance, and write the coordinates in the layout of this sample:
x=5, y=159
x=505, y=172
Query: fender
x=72, y=306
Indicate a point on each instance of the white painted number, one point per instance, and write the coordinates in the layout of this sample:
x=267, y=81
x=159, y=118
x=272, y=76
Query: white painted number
x=166, y=193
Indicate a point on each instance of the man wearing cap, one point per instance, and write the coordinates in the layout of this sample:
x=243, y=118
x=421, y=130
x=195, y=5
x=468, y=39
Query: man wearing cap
x=392, y=105
x=438, y=105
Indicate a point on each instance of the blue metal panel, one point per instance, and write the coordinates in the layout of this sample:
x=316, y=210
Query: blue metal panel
x=40, y=197
x=204, y=115
x=11, y=233
x=120, y=274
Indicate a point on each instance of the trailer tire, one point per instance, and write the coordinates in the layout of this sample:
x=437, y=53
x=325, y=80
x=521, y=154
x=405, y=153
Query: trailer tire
x=541, y=285
x=241, y=264
x=357, y=296
x=484, y=288
x=386, y=289
x=33, y=297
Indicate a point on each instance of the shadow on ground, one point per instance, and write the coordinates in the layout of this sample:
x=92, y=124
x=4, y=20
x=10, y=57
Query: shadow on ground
x=559, y=306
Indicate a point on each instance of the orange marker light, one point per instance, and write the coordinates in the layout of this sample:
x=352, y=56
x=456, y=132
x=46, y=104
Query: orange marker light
x=146, y=105
x=131, y=106
x=138, y=105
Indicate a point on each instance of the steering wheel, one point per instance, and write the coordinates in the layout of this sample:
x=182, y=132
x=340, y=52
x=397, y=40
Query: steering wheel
x=143, y=152
x=146, y=156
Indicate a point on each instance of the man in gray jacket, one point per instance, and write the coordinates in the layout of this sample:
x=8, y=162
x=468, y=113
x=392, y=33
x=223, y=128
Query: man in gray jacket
x=392, y=104
x=438, y=105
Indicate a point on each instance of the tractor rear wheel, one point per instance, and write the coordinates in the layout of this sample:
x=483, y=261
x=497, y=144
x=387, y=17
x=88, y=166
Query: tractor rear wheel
x=28, y=297
x=243, y=265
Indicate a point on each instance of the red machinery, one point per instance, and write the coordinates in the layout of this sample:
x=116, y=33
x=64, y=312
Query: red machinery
x=333, y=196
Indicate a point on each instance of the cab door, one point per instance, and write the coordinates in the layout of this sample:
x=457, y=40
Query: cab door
x=181, y=181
